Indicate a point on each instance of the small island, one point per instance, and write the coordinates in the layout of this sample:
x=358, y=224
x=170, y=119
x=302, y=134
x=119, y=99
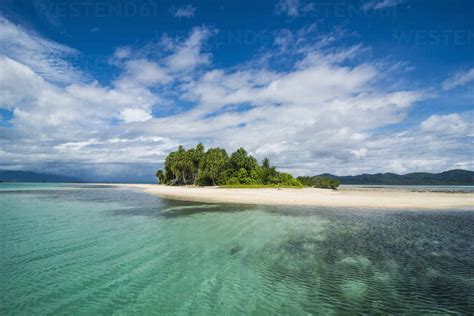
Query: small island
x=215, y=167
x=213, y=176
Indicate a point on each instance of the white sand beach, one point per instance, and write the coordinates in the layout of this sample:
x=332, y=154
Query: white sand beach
x=314, y=197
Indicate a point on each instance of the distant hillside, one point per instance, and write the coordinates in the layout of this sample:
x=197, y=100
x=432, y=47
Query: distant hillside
x=28, y=176
x=451, y=177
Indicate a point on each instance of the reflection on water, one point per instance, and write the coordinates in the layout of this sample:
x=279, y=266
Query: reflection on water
x=70, y=249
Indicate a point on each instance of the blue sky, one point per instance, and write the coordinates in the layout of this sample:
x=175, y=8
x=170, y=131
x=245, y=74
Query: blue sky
x=104, y=90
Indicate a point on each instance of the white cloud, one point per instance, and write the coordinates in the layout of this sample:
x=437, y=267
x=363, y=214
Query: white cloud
x=188, y=54
x=162, y=62
x=380, y=4
x=47, y=58
x=135, y=115
x=446, y=124
x=140, y=72
x=184, y=12
x=12, y=73
x=122, y=53
x=441, y=142
x=317, y=115
x=459, y=79
x=47, y=114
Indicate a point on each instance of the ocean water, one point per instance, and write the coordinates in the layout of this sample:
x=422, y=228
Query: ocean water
x=412, y=188
x=80, y=249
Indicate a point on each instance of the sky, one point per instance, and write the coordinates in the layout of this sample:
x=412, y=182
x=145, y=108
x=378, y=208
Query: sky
x=104, y=90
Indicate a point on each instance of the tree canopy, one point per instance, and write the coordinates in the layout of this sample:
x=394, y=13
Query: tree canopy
x=196, y=166
x=319, y=182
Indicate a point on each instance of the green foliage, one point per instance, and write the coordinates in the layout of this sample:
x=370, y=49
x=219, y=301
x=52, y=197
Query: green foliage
x=240, y=160
x=196, y=156
x=269, y=175
x=325, y=183
x=244, y=176
x=319, y=182
x=214, y=167
x=182, y=166
x=287, y=179
x=161, y=176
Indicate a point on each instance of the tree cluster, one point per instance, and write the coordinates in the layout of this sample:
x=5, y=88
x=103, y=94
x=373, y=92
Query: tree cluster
x=319, y=182
x=196, y=166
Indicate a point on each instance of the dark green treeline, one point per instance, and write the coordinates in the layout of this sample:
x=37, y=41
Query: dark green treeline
x=196, y=166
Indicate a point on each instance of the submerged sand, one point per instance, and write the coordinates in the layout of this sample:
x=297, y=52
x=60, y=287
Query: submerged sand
x=314, y=197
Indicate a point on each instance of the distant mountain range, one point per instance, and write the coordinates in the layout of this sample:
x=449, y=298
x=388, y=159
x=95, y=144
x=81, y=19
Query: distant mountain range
x=451, y=177
x=29, y=176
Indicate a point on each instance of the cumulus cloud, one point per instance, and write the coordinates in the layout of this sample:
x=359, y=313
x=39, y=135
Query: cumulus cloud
x=135, y=115
x=184, y=12
x=459, y=79
x=188, y=54
x=446, y=124
x=440, y=142
x=142, y=72
x=319, y=114
x=85, y=122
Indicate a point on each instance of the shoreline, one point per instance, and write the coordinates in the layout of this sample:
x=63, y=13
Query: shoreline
x=345, y=198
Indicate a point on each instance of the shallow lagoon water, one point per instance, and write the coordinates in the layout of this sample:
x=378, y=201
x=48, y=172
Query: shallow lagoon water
x=73, y=249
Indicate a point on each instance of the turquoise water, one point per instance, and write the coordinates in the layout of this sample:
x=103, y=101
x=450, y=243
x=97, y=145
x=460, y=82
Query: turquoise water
x=74, y=249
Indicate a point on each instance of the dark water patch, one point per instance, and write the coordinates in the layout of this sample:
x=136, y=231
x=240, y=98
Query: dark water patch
x=317, y=211
x=359, y=260
x=170, y=209
x=235, y=250
x=200, y=209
